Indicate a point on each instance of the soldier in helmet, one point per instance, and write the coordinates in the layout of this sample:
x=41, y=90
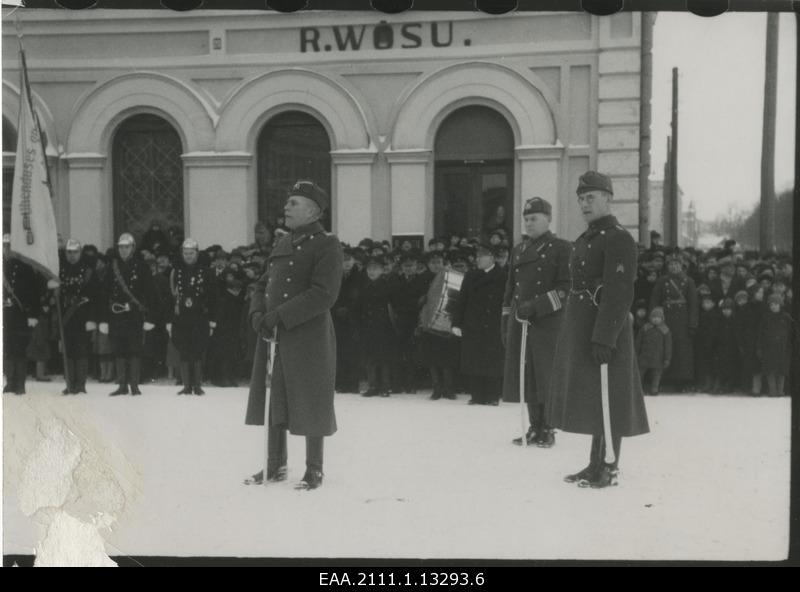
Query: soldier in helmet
x=192, y=317
x=22, y=291
x=80, y=291
x=291, y=303
x=537, y=286
x=598, y=329
x=127, y=311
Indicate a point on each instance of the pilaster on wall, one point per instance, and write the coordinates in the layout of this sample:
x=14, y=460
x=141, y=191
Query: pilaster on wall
x=352, y=205
x=619, y=67
x=89, y=194
x=411, y=210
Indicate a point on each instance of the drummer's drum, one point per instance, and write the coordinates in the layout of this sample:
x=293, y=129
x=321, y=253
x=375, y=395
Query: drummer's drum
x=443, y=295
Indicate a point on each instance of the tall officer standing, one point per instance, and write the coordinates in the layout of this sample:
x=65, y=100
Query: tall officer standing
x=22, y=291
x=292, y=301
x=80, y=291
x=192, y=317
x=598, y=329
x=127, y=311
x=537, y=285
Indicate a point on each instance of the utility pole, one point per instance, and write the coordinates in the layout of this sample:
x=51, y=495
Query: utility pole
x=674, y=207
x=767, y=213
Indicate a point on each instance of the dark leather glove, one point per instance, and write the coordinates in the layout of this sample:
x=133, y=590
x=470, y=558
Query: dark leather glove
x=504, y=330
x=255, y=320
x=601, y=353
x=526, y=310
x=269, y=321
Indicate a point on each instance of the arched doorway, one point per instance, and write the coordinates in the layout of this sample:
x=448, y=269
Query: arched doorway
x=474, y=173
x=9, y=151
x=148, y=175
x=292, y=145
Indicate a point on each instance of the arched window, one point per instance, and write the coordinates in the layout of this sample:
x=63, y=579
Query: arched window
x=474, y=173
x=291, y=146
x=9, y=150
x=148, y=175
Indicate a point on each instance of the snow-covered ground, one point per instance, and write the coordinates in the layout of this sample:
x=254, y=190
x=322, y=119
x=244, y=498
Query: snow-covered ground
x=408, y=477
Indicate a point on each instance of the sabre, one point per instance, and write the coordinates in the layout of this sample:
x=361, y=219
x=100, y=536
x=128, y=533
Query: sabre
x=522, y=347
x=268, y=393
x=610, y=458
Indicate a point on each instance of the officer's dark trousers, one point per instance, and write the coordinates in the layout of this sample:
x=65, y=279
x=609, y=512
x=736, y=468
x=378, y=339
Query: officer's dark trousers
x=536, y=415
x=277, y=454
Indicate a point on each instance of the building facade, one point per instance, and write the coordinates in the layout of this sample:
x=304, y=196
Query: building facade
x=419, y=124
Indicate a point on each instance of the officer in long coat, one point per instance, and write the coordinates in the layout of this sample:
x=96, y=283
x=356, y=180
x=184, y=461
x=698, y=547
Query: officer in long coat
x=476, y=320
x=597, y=329
x=536, y=289
x=192, y=317
x=128, y=309
x=22, y=291
x=675, y=292
x=292, y=301
x=80, y=292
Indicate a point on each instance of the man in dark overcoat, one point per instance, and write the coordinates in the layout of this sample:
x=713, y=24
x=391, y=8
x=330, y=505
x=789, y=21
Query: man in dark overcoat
x=292, y=302
x=348, y=353
x=80, y=293
x=537, y=286
x=406, y=290
x=476, y=320
x=192, y=316
x=597, y=329
x=675, y=292
x=22, y=296
x=128, y=309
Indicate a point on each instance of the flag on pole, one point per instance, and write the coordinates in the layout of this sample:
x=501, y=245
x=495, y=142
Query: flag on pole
x=34, y=237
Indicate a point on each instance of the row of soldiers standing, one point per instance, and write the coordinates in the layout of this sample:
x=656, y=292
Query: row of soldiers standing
x=123, y=306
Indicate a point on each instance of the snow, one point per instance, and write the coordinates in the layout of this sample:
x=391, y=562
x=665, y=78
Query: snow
x=413, y=478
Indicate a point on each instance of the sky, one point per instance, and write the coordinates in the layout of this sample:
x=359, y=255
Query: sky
x=720, y=63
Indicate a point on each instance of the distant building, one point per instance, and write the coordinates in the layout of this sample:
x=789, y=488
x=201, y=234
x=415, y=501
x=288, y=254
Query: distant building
x=659, y=219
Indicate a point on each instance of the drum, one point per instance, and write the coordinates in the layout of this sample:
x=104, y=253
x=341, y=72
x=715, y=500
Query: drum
x=443, y=296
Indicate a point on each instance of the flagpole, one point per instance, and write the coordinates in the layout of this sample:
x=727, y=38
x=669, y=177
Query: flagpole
x=57, y=290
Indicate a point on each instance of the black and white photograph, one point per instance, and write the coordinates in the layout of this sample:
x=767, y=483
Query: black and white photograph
x=435, y=285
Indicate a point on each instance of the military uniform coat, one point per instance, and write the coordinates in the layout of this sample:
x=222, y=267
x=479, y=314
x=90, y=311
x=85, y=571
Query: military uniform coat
x=538, y=271
x=301, y=284
x=80, y=293
x=22, y=294
x=478, y=316
x=604, y=257
x=194, y=292
x=677, y=295
x=125, y=317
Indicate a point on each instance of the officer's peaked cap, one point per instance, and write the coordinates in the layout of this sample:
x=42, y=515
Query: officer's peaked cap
x=594, y=181
x=309, y=189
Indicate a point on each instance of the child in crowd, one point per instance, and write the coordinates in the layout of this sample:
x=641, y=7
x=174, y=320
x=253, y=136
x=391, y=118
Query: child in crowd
x=772, y=346
x=654, y=350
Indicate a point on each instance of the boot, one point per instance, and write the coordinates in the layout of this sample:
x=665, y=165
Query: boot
x=530, y=437
x=21, y=373
x=81, y=372
x=313, y=477
x=449, y=388
x=606, y=473
x=186, y=379
x=11, y=375
x=588, y=473
x=121, y=378
x=41, y=372
x=69, y=378
x=198, y=376
x=437, y=385
x=546, y=438
x=136, y=368
x=311, y=480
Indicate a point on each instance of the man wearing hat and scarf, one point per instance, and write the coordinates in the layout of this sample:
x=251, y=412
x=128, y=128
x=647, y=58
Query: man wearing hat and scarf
x=291, y=304
x=535, y=292
x=80, y=293
x=598, y=329
x=192, y=316
x=127, y=311
x=22, y=296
